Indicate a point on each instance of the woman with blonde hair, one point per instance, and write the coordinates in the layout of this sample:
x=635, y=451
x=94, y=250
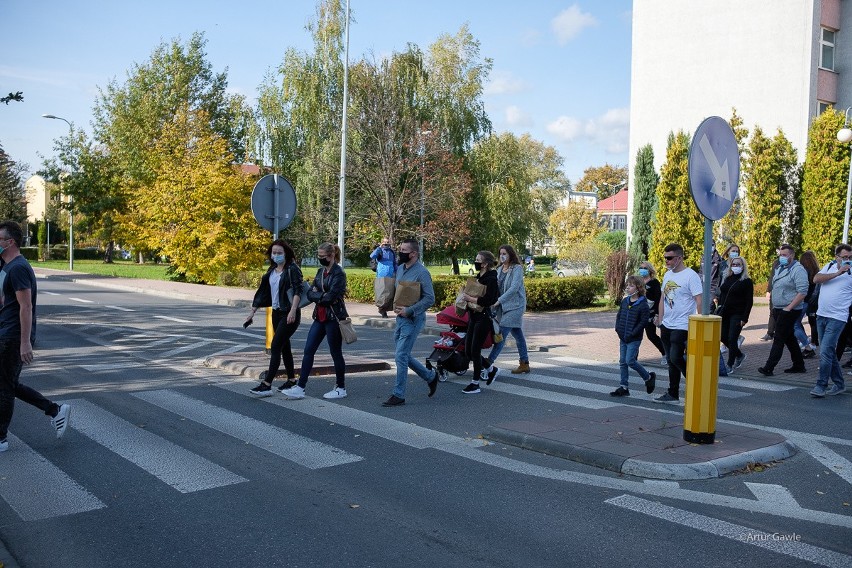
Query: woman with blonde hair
x=735, y=302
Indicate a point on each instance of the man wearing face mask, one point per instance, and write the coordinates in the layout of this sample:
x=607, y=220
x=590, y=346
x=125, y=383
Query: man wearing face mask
x=410, y=321
x=835, y=296
x=789, y=288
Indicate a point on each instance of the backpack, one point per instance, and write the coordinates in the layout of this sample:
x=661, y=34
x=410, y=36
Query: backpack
x=374, y=264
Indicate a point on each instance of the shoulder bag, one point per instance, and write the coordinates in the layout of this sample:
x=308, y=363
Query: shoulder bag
x=303, y=296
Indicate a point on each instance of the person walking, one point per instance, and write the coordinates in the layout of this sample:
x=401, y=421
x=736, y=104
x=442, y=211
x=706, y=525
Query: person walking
x=835, y=297
x=808, y=344
x=653, y=293
x=510, y=308
x=789, y=288
x=681, y=297
x=633, y=313
x=410, y=321
x=770, y=323
x=385, y=264
x=18, y=291
x=283, y=275
x=327, y=291
x=479, y=322
x=736, y=300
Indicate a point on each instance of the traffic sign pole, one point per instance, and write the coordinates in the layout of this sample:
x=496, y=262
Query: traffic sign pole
x=276, y=199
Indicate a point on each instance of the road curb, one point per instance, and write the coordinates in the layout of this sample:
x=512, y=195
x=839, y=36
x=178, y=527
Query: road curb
x=257, y=363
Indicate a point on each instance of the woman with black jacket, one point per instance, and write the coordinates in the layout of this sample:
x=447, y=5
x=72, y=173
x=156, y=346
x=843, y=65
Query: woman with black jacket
x=327, y=293
x=479, y=322
x=283, y=275
x=736, y=298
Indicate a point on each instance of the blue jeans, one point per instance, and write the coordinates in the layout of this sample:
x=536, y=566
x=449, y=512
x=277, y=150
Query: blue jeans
x=407, y=330
x=799, y=329
x=520, y=340
x=319, y=331
x=629, y=352
x=829, y=367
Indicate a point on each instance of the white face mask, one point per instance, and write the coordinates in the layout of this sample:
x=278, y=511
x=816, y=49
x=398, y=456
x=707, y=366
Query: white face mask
x=737, y=269
x=504, y=257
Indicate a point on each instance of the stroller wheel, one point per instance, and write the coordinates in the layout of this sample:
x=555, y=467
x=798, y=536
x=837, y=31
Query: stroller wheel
x=442, y=375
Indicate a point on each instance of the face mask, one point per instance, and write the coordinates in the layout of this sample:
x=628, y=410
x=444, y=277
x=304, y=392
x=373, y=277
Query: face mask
x=278, y=258
x=504, y=257
x=477, y=266
x=783, y=261
x=643, y=272
x=630, y=290
x=844, y=263
x=325, y=261
x=737, y=269
x=404, y=257
x=733, y=254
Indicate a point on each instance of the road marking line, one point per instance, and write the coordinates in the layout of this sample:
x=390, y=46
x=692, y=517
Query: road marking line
x=288, y=445
x=157, y=343
x=259, y=335
x=36, y=489
x=558, y=397
x=119, y=308
x=595, y=387
x=232, y=349
x=176, y=320
x=181, y=469
x=112, y=366
x=45, y=292
x=826, y=456
x=775, y=542
x=189, y=347
x=81, y=300
x=771, y=493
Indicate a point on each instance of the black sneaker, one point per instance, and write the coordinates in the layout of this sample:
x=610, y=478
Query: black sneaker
x=651, y=383
x=764, y=371
x=620, y=391
x=262, y=390
x=738, y=361
x=767, y=337
x=472, y=388
x=808, y=353
x=795, y=369
x=263, y=375
x=288, y=384
x=492, y=374
x=666, y=398
x=394, y=401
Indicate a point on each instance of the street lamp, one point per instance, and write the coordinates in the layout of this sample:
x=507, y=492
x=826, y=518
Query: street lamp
x=423, y=134
x=844, y=135
x=70, y=204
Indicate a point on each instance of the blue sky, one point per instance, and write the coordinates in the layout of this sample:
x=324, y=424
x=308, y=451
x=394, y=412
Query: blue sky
x=561, y=69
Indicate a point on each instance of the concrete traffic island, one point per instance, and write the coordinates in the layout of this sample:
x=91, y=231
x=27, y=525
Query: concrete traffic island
x=251, y=364
x=643, y=443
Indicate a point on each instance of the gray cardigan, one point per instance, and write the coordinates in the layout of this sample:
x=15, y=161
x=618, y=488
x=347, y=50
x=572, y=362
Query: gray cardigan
x=513, y=296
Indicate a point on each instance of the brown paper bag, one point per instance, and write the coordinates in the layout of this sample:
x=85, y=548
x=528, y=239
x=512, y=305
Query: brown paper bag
x=384, y=288
x=461, y=304
x=473, y=288
x=407, y=294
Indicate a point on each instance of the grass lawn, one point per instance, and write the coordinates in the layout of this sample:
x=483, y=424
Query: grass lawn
x=121, y=268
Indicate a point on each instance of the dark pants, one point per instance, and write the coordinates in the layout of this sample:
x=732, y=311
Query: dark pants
x=651, y=334
x=731, y=329
x=281, y=347
x=784, y=336
x=10, y=387
x=812, y=323
x=319, y=331
x=478, y=327
x=674, y=342
x=770, y=325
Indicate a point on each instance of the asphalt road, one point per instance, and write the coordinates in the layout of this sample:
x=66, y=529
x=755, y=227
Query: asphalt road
x=170, y=463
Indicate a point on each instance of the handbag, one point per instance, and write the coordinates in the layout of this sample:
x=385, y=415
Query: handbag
x=303, y=295
x=495, y=328
x=347, y=331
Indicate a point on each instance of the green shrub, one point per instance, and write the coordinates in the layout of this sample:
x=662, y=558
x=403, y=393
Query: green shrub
x=615, y=240
x=30, y=253
x=562, y=293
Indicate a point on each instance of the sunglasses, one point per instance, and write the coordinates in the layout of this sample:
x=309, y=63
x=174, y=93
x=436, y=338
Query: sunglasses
x=670, y=257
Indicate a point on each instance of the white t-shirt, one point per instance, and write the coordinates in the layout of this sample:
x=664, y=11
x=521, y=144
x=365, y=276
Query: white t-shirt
x=274, y=283
x=678, y=298
x=835, y=295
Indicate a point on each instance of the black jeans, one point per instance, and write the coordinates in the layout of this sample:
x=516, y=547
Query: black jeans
x=477, y=331
x=674, y=341
x=784, y=336
x=320, y=330
x=281, y=347
x=731, y=329
x=10, y=387
x=651, y=334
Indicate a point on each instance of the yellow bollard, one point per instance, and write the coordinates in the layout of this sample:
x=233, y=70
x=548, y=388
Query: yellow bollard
x=702, y=379
x=269, y=331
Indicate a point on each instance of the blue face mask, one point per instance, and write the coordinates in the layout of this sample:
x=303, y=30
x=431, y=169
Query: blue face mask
x=783, y=261
x=278, y=258
x=733, y=254
x=844, y=263
x=643, y=272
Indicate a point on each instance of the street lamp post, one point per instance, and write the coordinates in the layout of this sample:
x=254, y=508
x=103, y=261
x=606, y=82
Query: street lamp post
x=844, y=135
x=423, y=134
x=70, y=204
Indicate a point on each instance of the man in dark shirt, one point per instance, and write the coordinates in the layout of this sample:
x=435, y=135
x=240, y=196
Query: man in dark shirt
x=17, y=334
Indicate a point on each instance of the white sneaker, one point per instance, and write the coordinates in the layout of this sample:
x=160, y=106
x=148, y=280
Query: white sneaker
x=664, y=362
x=4, y=445
x=60, y=421
x=336, y=393
x=740, y=341
x=294, y=392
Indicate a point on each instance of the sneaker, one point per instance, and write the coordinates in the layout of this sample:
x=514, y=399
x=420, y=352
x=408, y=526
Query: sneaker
x=472, y=388
x=492, y=374
x=263, y=375
x=666, y=398
x=394, y=401
x=808, y=353
x=738, y=361
x=289, y=383
x=740, y=341
x=765, y=372
x=834, y=389
x=262, y=390
x=796, y=370
x=651, y=383
x=443, y=375
x=729, y=369
x=620, y=391
x=664, y=362
x=767, y=337
x=294, y=392
x=433, y=384
x=337, y=392
x=60, y=421
x=723, y=349
x=818, y=392
x=4, y=445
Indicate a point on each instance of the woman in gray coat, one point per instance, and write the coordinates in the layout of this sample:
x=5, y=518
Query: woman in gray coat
x=510, y=308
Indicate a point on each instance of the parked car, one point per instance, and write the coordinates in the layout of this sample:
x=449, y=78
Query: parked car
x=466, y=266
x=562, y=268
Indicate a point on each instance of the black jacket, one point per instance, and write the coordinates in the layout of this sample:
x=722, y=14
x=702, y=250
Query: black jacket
x=631, y=319
x=328, y=291
x=291, y=277
x=737, y=296
x=653, y=293
x=492, y=291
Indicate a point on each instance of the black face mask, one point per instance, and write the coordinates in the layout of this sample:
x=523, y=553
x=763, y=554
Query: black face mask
x=404, y=257
x=477, y=266
x=325, y=261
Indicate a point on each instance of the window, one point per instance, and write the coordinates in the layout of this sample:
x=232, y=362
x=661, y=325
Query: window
x=826, y=60
x=822, y=107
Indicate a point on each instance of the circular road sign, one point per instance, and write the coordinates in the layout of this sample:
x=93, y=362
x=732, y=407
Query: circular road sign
x=714, y=168
x=263, y=202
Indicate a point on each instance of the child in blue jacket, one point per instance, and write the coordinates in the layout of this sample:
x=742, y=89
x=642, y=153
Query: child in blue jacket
x=630, y=323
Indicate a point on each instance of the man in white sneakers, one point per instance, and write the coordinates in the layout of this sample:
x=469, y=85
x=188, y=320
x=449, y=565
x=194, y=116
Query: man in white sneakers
x=835, y=296
x=17, y=334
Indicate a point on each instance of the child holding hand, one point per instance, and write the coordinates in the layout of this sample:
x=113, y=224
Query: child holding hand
x=630, y=325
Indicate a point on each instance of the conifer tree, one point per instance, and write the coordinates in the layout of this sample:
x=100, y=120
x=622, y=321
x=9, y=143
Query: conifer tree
x=764, y=182
x=730, y=229
x=644, y=202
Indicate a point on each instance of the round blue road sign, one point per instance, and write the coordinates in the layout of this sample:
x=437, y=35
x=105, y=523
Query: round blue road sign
x=714, y=168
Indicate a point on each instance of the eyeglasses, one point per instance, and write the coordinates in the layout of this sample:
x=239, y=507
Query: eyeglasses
x=668, y=258
x=841, y=257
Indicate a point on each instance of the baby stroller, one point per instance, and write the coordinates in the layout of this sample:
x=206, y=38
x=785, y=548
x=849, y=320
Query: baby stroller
x=448, y=353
